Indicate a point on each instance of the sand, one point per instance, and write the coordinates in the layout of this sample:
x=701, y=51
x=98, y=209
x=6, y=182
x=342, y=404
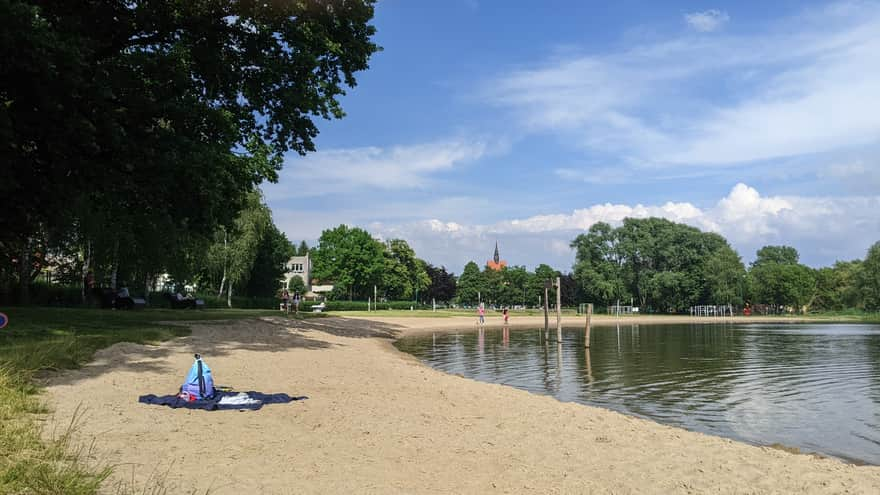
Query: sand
x=378, y=421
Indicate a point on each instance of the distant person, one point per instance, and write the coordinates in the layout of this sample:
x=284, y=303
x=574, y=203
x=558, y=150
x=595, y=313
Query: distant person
x=482, y=312
x=285, y=300
x=296, y=303
x=506, y=314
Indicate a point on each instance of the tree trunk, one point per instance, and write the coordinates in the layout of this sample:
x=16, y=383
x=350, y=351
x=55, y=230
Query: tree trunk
x=115, y=265
x=85, y=271
x=229, y=296
x=24, y=274
x=223, y=280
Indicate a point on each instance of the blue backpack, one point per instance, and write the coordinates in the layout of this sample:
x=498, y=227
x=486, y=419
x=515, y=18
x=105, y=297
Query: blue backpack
x=199, y=382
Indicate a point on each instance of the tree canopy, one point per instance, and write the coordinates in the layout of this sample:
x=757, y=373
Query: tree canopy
x=660, y=264
x=131, y=130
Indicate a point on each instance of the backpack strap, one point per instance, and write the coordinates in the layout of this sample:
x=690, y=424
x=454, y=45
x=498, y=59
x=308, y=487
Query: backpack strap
x=201, y=380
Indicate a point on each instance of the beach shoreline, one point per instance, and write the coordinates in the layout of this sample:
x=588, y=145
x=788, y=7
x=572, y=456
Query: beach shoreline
x=379, y=421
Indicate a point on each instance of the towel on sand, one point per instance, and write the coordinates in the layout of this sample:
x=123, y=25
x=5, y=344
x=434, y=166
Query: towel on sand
x=233, y=400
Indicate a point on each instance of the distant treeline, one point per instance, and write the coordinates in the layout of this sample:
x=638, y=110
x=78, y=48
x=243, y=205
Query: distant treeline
x=658, y=265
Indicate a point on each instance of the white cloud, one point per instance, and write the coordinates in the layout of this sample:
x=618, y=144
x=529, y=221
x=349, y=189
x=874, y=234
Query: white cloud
x=394, y=168
x=805, y=85
x=706, y=21
x=823, y=229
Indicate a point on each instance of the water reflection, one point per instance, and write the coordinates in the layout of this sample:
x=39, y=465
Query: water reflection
x=816, y=387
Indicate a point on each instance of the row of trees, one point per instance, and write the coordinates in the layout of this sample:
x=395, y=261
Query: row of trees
x=359, y=265
x=133, y=149
x=511, y=286
x=660, y=265
x=669, y=267
x=355, y=263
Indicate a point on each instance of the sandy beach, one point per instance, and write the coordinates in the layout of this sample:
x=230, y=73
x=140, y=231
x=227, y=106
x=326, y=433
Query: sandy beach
x=378, y=421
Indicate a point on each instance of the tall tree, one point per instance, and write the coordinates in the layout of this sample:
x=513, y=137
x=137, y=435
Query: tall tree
x=404, y=274
x=659, y=263
x=598, y=265
x=167, y=115
x=351, y=259
x=442, y=286
x=248, y=232
x=303, y=249
x=273, y=252
x=470, y=286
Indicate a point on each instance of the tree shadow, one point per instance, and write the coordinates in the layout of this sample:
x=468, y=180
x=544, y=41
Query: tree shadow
x=344, y=327
x=209, y=338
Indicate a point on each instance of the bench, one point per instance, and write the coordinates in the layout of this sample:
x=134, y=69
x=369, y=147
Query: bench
x=318, y=308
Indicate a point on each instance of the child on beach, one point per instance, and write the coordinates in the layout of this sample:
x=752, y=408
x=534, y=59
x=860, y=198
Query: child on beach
x=482, y=312
x=506, y=315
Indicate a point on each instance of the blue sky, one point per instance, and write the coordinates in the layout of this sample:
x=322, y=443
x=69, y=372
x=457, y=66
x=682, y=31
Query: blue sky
x=525, y=122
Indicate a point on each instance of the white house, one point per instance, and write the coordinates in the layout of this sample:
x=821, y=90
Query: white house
x=299, y=266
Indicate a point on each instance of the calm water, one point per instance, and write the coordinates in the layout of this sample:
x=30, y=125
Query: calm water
x=811, y=386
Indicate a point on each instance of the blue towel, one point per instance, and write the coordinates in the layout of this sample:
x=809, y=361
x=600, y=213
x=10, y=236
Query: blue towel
x=213, y=404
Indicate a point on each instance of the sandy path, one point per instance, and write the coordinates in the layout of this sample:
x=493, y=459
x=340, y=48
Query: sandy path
x=377, y=421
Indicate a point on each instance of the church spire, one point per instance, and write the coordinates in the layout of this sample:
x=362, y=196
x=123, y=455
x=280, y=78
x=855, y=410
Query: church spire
x=496, y=257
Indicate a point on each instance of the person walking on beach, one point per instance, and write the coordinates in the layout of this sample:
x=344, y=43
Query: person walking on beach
x=482, y=312
x=296, y=304
x=285, y=300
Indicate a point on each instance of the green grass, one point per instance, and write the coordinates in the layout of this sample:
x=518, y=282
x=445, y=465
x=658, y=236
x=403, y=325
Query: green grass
x=47, y=339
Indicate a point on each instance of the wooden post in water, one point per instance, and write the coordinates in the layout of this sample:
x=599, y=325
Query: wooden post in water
x=546, y=319
x=558, y=311
x=587, y=328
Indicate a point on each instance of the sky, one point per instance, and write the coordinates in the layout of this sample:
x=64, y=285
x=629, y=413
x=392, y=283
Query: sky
x=523, y=123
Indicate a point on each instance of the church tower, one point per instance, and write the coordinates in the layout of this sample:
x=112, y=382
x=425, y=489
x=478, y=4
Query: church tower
x=496, y=263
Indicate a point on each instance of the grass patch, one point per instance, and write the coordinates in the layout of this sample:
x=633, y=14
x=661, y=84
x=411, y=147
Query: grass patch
x=50, y=339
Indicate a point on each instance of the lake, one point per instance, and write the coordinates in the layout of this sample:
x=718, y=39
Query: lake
x=815, y=387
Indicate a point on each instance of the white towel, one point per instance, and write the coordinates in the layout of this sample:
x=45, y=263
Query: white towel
x=241, y=399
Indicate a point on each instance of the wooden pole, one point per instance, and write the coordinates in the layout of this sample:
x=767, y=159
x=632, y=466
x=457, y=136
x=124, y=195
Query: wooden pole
x=558, y=311
x=587, y=328
x=546, y=319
